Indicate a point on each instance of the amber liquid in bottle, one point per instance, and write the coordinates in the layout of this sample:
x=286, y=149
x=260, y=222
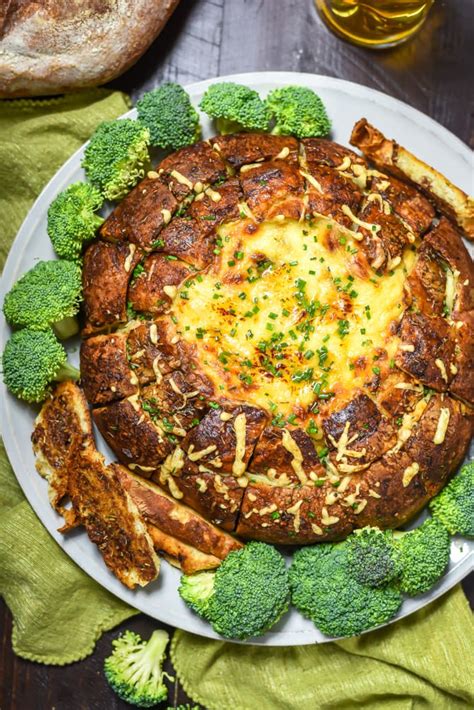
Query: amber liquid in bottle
x=374, y=23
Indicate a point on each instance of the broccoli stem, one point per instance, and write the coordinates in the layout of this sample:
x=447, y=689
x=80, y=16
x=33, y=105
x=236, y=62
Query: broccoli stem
x=67, y=372
x=66, y=327
x=225, y=126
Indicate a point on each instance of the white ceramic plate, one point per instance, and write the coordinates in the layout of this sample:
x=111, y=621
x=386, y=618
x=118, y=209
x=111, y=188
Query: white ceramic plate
x=346, y=102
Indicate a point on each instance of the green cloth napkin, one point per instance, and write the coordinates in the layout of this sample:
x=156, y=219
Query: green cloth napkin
x=58, y=611
x=424, y=661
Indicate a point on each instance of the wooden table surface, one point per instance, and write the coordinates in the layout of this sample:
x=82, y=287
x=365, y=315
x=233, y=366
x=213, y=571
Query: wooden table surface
x=208, y=38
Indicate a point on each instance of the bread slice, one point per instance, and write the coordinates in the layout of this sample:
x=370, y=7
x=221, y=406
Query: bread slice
x=391, y=157
x=62, y=426
x=111, y=519
x=175, y=519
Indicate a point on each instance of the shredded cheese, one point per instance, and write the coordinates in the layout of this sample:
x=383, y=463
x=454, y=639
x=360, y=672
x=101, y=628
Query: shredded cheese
x=153, y=333
x=442, y=368
x=327, y=519
x=409, y=473
x=373, y=228
x=215, y=196
x=166, y=214
x=240, y=424
x=170, y=291
x=197, y=455
x=181, y=179
x=249, y=166
x=312, y=181
x=128, y=261
x=442, y=426
x=292, y=447
x=284, y=153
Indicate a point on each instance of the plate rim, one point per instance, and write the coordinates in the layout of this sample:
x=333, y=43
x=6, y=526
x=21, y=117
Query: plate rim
x=89, y=565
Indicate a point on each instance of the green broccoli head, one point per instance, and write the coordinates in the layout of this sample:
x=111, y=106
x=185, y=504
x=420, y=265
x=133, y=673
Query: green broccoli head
x=134, y=670
x=117, y=157
x=299, y=112
x=235, y=107
x=169, y=116
x=454, y=506
x=324, y=590
x=424, y=555
x=31, y=361
x=47, y=295
x=246, y=595
x=373, y=557
x=72, y=220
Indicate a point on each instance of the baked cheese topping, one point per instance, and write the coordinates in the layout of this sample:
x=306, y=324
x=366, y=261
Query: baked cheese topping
x=290, y=315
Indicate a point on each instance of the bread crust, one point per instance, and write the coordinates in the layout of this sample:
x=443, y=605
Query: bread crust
x=389, y=156
x=50, y=47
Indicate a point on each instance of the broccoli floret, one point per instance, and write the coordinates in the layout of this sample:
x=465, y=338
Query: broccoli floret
x=71, y=219
x=424, y=554
x=117, y=157
x=168, y=114
x=323, y=589
x=47, y=295
x=246, y=595
x=454, y=506
x=373, y=557
x=31, y=361
x=235, y=107
x=134, y=669
x=298, y=111
x=196, y=590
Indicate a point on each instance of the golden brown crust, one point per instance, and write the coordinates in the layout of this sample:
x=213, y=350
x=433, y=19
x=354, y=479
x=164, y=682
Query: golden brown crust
x=105, y=369
x=141, y=215
x=106, y=273
x=152, y=350
x=390, y=156
x=133, y=435
x=245, y=148
x=152, y=290
x=189, y=169
x=62, y=427
x=111, y=519
x=175, y=519
x=178, y=553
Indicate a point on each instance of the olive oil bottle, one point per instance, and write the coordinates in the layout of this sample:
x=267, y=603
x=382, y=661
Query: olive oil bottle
x=374, y=23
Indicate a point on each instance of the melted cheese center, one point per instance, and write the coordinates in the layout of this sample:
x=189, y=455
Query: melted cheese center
x=289, y=317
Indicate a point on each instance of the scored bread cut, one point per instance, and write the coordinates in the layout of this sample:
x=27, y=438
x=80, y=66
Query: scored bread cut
x=51, y=47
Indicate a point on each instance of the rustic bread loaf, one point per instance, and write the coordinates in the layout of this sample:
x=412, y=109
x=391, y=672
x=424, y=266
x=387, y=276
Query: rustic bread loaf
x=51, y=47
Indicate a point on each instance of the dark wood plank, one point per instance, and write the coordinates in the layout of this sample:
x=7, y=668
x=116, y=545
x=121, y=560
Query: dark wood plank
x=78, y=686
x=207, y=38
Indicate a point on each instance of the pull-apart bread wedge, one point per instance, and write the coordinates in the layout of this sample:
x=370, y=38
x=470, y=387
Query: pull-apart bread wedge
x=389, y=156
x=112, y=520
x=62, y=427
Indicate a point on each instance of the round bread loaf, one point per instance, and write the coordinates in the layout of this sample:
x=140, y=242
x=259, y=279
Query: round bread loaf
x=281, y=337
x=51, y=47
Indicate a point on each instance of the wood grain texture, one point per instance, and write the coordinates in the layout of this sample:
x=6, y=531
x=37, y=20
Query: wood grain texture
x=205, y=38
